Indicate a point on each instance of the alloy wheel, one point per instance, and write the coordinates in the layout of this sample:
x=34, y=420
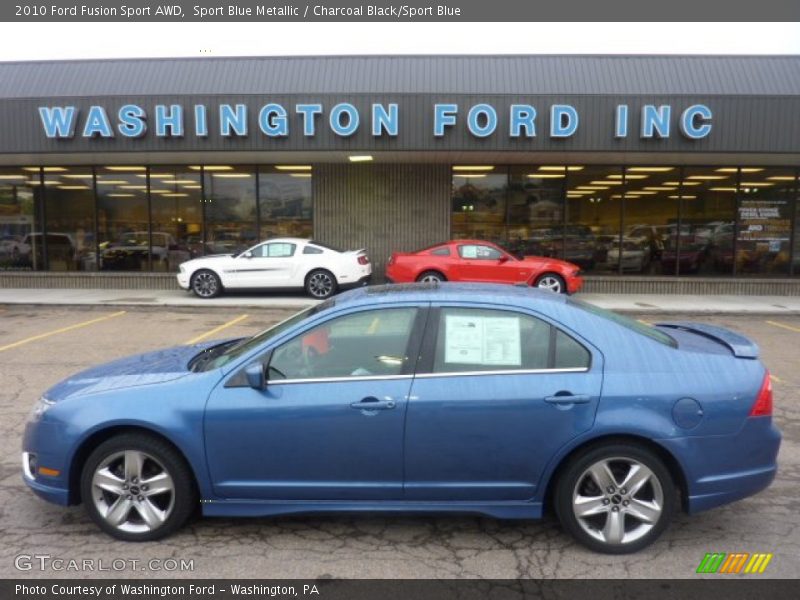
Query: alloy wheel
x=549, y=282
x=431, y=279
x=133, y=492
x=618, y=500
x=320, y=285
x=205, y=285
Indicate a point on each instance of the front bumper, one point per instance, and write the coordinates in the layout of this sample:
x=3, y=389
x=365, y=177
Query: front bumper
x=183, y=280
x=574, y=284
x=42, y=487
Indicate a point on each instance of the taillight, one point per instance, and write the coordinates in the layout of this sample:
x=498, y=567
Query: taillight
x=390, y=262
x=762, y=407
x=363, y=259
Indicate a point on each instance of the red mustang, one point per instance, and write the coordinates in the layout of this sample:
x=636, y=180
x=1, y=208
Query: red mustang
x=479, y=261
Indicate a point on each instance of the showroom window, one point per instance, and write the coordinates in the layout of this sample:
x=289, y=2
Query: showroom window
x=796, y=236
x=764, y=227
x=649, y=243
x=123, y=221
x=708, y=220
x=594, y=215
x=479, y=203
x=19, y=220
x=177, y=216
x=536, y=210
x=230, y=208
x=69, y=212
x=284, y=200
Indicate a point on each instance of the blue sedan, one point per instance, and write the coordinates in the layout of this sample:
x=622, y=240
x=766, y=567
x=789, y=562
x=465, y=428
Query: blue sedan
x=421, y=398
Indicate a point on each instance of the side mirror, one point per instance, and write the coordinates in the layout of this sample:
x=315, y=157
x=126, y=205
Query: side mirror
x=247, y=254
x=503, y=259
x=255, y=376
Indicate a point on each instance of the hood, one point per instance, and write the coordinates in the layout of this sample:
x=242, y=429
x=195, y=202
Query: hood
x=140, y=369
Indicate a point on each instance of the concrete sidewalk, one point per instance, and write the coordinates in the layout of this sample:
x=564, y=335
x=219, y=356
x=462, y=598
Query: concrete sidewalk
x=630, y=303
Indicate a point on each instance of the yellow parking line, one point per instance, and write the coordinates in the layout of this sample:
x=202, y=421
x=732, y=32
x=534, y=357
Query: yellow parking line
x=775, y=378
x=645, y=322
x=789, y=327
x=62, y=330
x=199, y=338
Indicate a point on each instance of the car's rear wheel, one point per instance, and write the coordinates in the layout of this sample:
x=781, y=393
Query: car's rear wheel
x=617, y=498
x=320, y=284
x=206, y=284
x=431, y=277
x=137, y=487
x=552, y=282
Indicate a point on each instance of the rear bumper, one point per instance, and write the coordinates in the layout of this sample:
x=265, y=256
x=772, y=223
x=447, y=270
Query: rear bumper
x=723, y=469
x=365, y=280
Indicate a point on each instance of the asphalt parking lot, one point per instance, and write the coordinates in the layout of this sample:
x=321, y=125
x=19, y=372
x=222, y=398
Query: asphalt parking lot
x=39, y=346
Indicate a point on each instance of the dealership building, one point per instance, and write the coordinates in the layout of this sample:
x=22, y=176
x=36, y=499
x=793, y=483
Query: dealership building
x=653, y=173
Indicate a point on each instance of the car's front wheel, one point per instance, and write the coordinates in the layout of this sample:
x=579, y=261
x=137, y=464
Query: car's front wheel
x=552, y=282
x=617, y=498
x=137, y=488
x=320, y=284
x=206, y=284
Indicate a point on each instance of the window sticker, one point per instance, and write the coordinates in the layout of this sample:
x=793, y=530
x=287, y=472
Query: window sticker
x=469, y=252
x=479, y=340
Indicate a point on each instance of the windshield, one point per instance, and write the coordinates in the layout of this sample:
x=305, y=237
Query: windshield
x=220, y=355
x=633, y=325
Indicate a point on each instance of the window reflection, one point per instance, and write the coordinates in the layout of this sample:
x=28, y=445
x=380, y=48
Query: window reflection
x=650, y=230
x=764, y=230
x=69, y=210
x=17, y=223
x=479, y=203
x=708, y=214
x=177, y=216
x=536, y=211
x=122, y=219
x=594, y=203
x=285, y=201
x=230, y=198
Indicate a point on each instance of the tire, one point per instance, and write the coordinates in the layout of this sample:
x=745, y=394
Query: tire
x=431, y=277
x=137, y=463
x=552, y=282
x=205, y=284
x=320, y=284
x=638, y=523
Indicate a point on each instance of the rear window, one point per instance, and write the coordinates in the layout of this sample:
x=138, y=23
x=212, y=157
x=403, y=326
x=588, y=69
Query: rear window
x=326, y=246
x=633, y=325
x=441, y=251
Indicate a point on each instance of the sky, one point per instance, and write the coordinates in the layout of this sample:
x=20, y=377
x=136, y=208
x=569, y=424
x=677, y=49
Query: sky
x=48, y=41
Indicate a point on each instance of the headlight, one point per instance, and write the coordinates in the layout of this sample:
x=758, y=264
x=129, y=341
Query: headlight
x=42, y=406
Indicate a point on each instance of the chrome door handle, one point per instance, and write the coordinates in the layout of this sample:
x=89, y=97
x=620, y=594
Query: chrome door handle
x=373, y=404
x=568, y=399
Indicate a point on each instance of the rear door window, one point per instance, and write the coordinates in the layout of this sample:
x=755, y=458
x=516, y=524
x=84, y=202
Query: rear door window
x=471, y=340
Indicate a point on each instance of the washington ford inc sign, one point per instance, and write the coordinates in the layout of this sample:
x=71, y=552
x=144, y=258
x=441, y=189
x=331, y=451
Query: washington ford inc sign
x=344, y=119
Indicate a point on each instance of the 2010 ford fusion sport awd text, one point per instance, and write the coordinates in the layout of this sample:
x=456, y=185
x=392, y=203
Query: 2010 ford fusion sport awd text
x=432, y=397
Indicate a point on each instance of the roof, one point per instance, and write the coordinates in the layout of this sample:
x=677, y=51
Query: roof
x=509, y=74
x=490, y=293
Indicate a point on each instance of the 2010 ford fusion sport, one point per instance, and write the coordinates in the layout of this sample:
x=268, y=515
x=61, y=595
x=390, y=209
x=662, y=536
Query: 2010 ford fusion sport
x=482, y=399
